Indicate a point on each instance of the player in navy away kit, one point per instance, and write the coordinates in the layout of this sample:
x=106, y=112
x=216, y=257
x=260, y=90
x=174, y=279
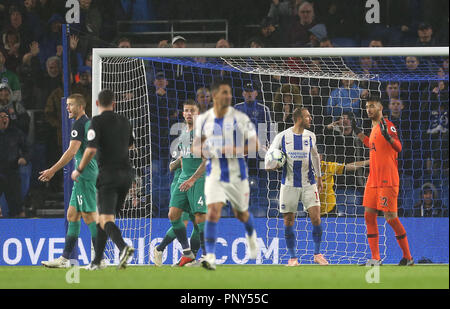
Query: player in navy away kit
x=111, y=136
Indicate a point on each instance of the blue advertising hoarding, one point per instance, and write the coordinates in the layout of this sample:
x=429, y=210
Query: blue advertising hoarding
x=30, y=241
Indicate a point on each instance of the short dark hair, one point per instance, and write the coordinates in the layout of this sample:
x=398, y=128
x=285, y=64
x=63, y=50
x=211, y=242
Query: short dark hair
x=216, y=85
x=106, y=97
x=374, y=98
x=191, y=102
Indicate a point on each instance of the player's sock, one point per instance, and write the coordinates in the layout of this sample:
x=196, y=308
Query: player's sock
x=372, y=234
x=289, y=236
x=93, y=229
x=249, y=225
x=317, y=237
x=114, y=233
x=400, y=234
x=73, y=231
x=195, y=240
x=201, y=227
x=180, y=231
x=168, y=238
x=210, y=236
x=101, y=243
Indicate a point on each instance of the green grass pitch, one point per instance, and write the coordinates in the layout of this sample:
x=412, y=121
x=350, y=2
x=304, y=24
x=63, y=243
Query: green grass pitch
x=229, y=277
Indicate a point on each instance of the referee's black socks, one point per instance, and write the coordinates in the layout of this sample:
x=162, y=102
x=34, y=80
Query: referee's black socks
x=114, y=233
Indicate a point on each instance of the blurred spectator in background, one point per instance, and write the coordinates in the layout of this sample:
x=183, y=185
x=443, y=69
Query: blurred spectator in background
x=222, y=43
x=204, y=99
x=9, y=77
x=178, y=42
x=30, y=14
x=392, y=91
x=51, y=40
x=346, y=98
x=284, y=14
x=50, y=80
x=268, y=33
x=29, y=71
x=285, y=101
x=316, y=34
x=299, y=35
x=17, y=155
x=429, y=204
x=14, y=51
x=376, y=43
x=326, y=42
x=19, y=25
x=84, y=87
x=124, y=42
x=254, y=42
x=425, y=36
x=18, y=115
x=90, y=18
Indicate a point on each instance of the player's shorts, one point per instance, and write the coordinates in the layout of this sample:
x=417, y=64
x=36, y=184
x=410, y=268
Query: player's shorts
x=237, y=193
x=191, y=201
x=84, y=196
x=381, y=198
x=111, y=193
x=290, y=196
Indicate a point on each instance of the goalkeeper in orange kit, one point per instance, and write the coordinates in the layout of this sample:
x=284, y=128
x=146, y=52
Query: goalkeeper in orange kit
x=382, y=186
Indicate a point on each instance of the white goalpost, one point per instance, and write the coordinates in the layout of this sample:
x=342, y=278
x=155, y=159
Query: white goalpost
x=333, y=83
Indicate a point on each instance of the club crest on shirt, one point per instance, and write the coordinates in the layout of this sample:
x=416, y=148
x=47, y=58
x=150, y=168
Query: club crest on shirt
x=74, y=133
x=305, y=142
x=91, y=135
x=393, y=129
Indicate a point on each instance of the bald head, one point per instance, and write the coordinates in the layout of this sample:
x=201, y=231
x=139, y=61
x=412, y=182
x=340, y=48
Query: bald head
x=306, y=13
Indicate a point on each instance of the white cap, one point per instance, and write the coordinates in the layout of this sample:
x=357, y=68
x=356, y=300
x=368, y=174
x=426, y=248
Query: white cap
x=178, y=37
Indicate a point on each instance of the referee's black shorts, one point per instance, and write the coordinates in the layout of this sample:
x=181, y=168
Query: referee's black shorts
x=112, y=189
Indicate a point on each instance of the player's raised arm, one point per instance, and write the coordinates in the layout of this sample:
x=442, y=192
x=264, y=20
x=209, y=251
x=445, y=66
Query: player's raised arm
x=390, y=134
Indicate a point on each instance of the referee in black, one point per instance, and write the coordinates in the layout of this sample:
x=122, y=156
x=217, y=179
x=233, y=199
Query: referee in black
x=110, y=135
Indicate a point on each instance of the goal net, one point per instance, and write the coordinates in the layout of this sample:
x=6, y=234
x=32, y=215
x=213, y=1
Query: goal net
x=152, y=84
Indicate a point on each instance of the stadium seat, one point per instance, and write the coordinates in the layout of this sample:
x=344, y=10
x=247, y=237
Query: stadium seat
x=344, y=42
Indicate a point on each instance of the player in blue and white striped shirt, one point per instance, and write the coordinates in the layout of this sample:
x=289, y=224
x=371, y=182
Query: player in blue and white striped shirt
x=301, y=181
x=224, y=136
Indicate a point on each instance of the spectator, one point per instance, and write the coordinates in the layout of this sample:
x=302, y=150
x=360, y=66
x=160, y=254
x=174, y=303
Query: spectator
x=222, y=43
x=29, y=71
x=285, y=101
x=367, y=66
x=53, y=116
x=18, y=115
x=84, y=87
x=268, y=33
x=376, y=43
x=90, y=18
x=178, y=42
x=257, y=112
x=17, y=155
x=425, y=37
x=299, y=35
x=316, y=34
x=51, y=80
x=254, y=42
x=32, y=17
x=204, y=99
x=163, y=44
x=326, y=42
x=429, y=204
x=17, y=24
x=9, y=77
x=346, y=98
x=284, y=14
x=124, y=43
x=342, y=146
x=14, y=51
x=400, y=117
x=392, y=91
x=51, y=40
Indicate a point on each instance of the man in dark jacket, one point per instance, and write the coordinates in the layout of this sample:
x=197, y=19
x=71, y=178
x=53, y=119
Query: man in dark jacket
x=14, y=153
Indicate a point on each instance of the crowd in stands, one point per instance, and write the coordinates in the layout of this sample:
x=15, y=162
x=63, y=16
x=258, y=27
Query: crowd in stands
x=31, y=83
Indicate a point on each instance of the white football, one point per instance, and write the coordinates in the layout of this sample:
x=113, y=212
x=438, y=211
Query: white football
x=275, y=159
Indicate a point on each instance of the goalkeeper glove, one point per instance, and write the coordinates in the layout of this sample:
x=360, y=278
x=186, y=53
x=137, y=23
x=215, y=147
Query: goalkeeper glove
x=355, y=127
x=384, y=130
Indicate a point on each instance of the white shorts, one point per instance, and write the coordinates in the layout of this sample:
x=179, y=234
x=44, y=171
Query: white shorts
x=290, y=196
x=237, y=193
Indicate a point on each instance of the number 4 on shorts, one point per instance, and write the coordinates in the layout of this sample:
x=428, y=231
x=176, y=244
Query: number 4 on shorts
x=200, y=201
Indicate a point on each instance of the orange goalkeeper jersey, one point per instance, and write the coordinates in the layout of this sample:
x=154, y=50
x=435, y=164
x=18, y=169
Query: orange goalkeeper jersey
x=383, y=170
